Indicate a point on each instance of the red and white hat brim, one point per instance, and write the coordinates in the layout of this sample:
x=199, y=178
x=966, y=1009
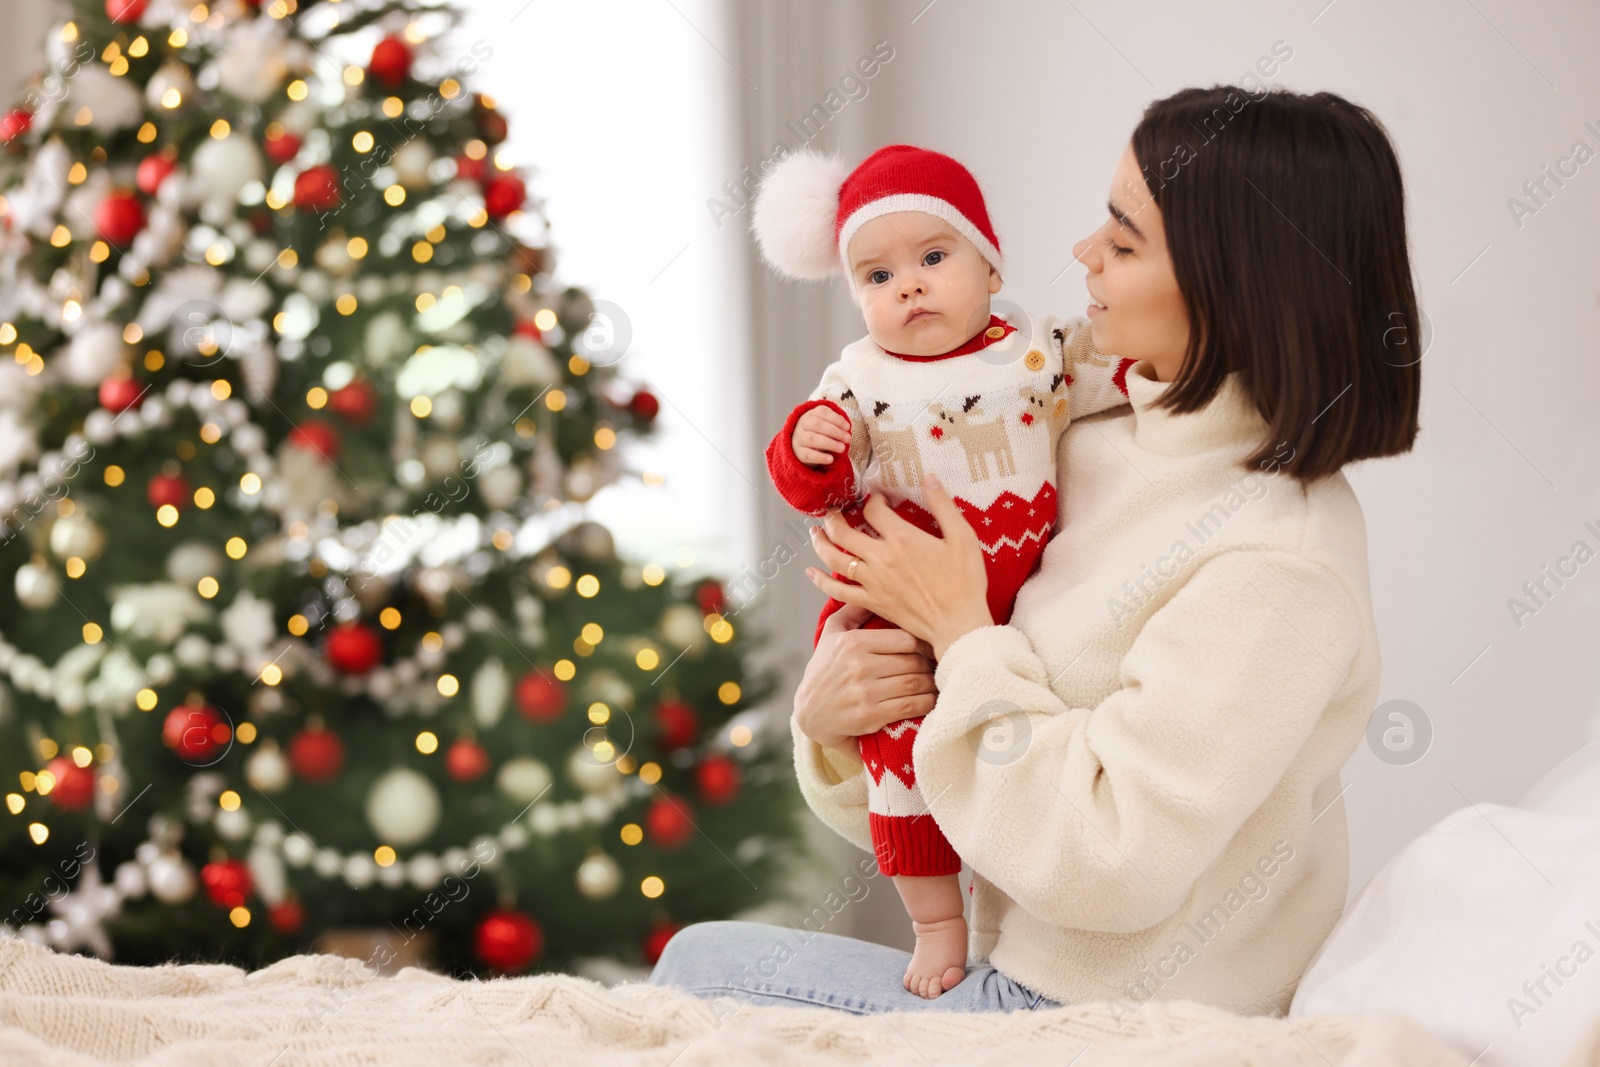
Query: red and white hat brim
x=928, y=205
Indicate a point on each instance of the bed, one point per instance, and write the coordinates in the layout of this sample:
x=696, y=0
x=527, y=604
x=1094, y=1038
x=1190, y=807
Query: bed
x=1427, y=968
x=73, y=1011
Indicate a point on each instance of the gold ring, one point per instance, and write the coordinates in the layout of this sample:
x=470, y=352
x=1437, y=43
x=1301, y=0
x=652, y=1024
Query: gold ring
x=850, y=571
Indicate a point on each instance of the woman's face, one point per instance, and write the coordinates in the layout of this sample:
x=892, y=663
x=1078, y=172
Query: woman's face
x=1135, y=306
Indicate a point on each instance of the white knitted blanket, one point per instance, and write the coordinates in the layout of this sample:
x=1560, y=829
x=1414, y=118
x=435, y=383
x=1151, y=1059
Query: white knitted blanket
x=73, y=1011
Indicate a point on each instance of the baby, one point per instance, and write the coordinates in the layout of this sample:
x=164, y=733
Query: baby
x=940, y=385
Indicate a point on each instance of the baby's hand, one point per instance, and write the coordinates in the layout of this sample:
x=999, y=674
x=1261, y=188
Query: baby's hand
x=818, y=434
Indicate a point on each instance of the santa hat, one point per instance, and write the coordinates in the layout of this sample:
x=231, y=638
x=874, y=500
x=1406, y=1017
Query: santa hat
x=810, y=206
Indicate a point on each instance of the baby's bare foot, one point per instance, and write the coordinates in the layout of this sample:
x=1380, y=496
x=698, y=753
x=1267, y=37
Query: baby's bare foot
x=940, y=959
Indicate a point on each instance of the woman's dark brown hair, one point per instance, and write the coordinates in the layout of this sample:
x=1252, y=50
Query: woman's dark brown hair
x=1285, y=219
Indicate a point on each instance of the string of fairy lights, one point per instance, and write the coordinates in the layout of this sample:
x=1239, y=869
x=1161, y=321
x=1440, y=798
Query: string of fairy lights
x=101, y=679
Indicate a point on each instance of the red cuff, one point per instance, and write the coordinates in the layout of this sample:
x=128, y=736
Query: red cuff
x=911, y=845
x=802, y=487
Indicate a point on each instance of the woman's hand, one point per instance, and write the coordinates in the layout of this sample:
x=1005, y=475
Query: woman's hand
x=859, y=681
x=936, y=588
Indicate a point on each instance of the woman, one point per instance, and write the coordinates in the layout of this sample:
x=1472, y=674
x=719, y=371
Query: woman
x=1142, y=768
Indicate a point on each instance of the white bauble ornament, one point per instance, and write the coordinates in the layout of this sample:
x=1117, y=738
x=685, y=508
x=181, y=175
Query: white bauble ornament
x=588, y=539
x=403, y=807
x=130, y=880
x=681, y=625
x=112, y=101
x=266, y=871
x=192, y=561
x=441, y=455
x=232, y=825
x=36, y=586
x=582, y=480
x=252, y=63
x=77, y=535
x=268, y=769
x=171, y=879
x=94, y=354
x=523, y=779
x=169, y=76
x=491, y=690
x=607, y=686
x=591, y=775
x=334, y=257
x=527, y=362
x=501, y=486
x=386, y=338
x=411, y=163
x=599, y=876
x=221, y=167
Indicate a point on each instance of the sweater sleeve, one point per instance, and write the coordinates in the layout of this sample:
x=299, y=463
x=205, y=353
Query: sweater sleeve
x=1095, y=381
x=834, y=786
x=1103, y=818
x=815, y=490
x=804, y=488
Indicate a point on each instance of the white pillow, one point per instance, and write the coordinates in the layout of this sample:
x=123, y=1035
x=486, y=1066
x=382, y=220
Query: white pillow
x=1485, y=929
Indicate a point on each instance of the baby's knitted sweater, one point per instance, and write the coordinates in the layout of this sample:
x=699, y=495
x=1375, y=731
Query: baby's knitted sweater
x=985, y=417
x=1156, y=810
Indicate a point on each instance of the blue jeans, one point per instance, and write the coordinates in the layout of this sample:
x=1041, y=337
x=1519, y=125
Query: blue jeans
x=780, y=966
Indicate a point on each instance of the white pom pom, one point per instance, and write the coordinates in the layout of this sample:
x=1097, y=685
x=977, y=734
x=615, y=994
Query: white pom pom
x=794, y=215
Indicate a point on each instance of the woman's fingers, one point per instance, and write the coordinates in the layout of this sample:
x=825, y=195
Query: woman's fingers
x=847, y=537
x=848, y=617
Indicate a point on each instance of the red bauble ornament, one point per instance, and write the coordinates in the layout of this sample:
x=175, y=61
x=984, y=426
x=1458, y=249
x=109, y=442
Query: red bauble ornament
x=644, y=405
x=153, y=170
x=528, y=328
x=15, y=124
x=655, y=942
x=168, y=489
x=669, y=821
x=354, y=648
x=119, y=394
x=466, y=760
x=541, y=697
x=124, y=11
x=280, y=146
x=508, y=940
x=74, y=787
x=678, y=723
x=719, y=779
x=197, y=734
x=317, y=188
x=317, y=436
x=227, y=882
x=317, y=755
x=287, y=916
x=119, y=218
x=357, y=401
x=710, y=597
x=503, y=194
x=391, y=62
x=469, y=169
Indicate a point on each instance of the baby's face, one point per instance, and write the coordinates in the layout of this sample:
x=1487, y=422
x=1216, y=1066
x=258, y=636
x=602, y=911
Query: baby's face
x=924, y=288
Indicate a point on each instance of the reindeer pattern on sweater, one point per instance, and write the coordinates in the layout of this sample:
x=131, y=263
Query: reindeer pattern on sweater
x=986, y=420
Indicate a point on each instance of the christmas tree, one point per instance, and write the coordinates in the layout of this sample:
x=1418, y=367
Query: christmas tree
x=303, y=627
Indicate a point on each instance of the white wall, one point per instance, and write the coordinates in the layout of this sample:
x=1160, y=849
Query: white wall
x=1039, y=99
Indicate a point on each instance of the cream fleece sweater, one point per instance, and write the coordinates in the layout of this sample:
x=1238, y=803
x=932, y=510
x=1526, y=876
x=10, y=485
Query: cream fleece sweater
x=1142, y=767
